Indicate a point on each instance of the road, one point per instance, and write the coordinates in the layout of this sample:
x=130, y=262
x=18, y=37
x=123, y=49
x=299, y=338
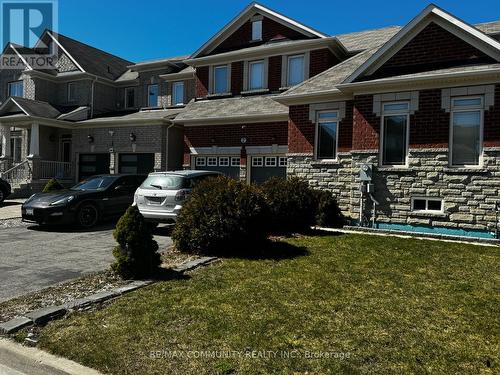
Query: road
x=32, y=259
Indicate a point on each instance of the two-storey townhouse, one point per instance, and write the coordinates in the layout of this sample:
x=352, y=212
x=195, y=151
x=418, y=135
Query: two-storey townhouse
x=233, y=125
x=91, y=112
x=420, y=113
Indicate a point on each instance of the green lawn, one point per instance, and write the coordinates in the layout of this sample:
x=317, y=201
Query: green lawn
x=371, y=304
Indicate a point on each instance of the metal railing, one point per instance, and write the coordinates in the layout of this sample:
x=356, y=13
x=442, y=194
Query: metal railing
x=55, y=169
x=4, y=165
x=18, y=174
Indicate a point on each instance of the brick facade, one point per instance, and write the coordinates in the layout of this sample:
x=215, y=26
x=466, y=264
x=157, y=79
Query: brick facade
x=271, y=30
x=433, y=48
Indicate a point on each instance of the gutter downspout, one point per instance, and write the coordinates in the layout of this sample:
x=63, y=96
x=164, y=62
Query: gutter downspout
x=92, y=98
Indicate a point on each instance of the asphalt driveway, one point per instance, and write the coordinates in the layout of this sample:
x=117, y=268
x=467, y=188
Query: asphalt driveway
x=32, y=259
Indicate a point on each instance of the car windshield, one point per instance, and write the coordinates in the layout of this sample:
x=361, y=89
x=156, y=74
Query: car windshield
x=95, y=183
x=166, y=182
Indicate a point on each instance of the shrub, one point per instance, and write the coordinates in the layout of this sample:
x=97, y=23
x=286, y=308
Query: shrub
x=221, y=216
x=136, y=254
x=328, y=213
x=52, y=185
x=291, y=203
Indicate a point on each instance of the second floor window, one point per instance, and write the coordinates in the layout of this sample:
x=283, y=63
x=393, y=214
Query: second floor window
x=153, y=95
x=71, y=91
x=394, y=139
x=295, y=70
x=221, y=79
x=327, y=135
x=16, y=89
x=178, y=93
x=129, y=97
x=256, y=75
x=466, y=131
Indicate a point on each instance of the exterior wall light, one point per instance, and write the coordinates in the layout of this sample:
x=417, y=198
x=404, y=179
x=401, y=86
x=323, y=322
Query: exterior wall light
x=132, y=137
x=90, y=138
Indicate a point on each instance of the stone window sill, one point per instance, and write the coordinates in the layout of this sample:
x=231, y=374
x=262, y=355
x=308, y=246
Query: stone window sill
x=323, y=163
x=459, y=170
x=427, y=214
x=254, y=92
x=394, y=169
x=221, y=95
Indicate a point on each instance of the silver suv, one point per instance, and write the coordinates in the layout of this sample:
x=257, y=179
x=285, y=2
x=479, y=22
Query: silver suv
x=161, y=195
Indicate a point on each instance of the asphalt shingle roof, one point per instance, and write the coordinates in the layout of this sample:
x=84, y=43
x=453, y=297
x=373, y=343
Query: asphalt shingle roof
x=140, y=115
x=331, y=77
x=36, y=108
x=232, y=107
x=489, y=27
x=362, y=40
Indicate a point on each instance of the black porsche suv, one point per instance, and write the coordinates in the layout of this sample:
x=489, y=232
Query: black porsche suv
x=5, y=190
x=84, y=204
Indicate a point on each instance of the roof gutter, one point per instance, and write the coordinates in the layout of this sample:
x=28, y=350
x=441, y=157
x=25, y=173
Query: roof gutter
x=312, y=97
x=233, y=119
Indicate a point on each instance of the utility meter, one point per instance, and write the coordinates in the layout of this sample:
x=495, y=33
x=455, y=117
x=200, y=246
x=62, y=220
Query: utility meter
x=365, y=172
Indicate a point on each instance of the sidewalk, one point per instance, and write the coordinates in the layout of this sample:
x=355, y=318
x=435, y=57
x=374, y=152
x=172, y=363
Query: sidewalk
x=16, y=359
x=11, y=209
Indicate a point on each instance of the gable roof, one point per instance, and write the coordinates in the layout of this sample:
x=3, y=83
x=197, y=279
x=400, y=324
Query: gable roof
x=431, y=13
x=490, y=28
x=243, y=17
x=29, y=107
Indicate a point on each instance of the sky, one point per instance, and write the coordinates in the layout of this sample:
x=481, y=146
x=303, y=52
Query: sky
x=150, y=29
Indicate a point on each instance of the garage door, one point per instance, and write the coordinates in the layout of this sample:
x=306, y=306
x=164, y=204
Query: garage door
x=265, y=167
x=228, y=165
x=92, y=164
x=136, y=163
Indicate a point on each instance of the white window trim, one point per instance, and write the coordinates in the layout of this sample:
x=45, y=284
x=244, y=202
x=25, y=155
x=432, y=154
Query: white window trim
x=382, y=130
x=157, y=94
x=454, y=110
x=261, y=27
x=174, y=84
x=69, y=85
x=426, y=210
x=200, y=161
x=212, y=158
x=316, y=134
x=254, y=158
x=265, y=74
x=235, y=159
x=227, y=162
x=280, y=164
x=271, y=158
x=127, y=89
x=284, y=67
x=10, y=84
x=211, y=83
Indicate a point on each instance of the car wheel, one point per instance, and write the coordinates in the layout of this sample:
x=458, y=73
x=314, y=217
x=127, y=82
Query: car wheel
x=87, y=216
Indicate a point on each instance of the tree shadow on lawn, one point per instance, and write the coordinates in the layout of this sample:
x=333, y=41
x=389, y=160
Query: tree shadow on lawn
x=166, y=274
x=266, y=250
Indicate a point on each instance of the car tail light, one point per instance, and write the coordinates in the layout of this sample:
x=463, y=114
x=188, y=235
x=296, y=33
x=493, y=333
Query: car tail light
x=181, y=195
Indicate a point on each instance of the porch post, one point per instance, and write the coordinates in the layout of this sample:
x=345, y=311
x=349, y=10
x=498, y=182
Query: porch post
x=34, y=156
x=5, y=142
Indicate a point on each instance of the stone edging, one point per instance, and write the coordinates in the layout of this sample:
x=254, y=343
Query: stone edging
x=46, y=314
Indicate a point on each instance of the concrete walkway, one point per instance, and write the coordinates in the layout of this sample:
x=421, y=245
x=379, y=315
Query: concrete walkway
x=11, y=208
x=16, y=359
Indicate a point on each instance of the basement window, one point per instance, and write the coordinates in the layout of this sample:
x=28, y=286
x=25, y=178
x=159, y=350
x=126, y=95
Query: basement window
x=432, y=205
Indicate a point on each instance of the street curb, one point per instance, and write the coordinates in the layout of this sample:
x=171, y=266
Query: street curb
x=46, y=314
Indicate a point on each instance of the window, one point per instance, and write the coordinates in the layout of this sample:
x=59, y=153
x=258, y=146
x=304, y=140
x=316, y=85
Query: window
x=71, y=91
x=283, y=161
x=221, y=79
x=295, y=70
x=257, y=161
x=16, y=89
x=427, y=204
x=153, y=95
x=257, y=30
x=223, y=161
x=326, y=135
x=201, y=162
x=178, y=93
x=394, y=139
x=466, y=131
x=129, y=97
x=271, y=161
x=235, y=162
x=256, y=75
x=212, y=161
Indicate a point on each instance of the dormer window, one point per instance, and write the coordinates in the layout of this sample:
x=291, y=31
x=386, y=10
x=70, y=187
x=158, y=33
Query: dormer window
x=16, y=89
x=256, y=30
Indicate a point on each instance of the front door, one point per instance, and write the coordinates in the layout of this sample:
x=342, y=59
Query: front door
x=65, y=150
x=16, y=142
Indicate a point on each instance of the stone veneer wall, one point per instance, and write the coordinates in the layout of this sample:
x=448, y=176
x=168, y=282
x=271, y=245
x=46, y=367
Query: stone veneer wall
x=469, y=195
